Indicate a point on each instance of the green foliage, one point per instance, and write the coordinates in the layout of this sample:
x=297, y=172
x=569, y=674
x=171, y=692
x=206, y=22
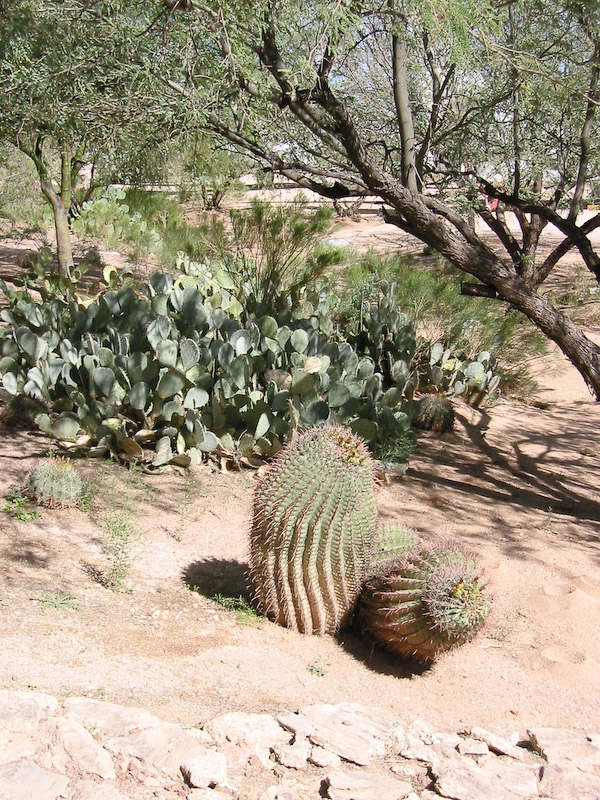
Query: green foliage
x=55, y=483
x=425, y=603
x=273, y=252
x=16, y=504
x=434, y=413
x=177, y=364
x=58, y=601
x=244, y=613
x=312, y=527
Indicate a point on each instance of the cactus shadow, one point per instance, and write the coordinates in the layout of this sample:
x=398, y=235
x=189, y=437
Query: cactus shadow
x=213, y=576
x=378, y=660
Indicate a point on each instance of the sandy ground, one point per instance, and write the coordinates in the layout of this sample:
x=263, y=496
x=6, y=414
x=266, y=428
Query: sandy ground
x=516, y=485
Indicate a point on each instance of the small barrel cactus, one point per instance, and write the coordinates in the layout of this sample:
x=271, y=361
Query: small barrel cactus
x=434, y=413
x=391, y=542
x=425, y=603
x=55, y=483
x=313, y=524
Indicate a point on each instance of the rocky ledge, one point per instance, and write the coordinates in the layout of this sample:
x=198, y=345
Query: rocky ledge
x=86, y=749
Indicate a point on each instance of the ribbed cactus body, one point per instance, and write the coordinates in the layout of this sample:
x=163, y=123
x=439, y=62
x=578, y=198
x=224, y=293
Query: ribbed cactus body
x=54, y=482
x=312, y=529
x=425, y=603
x=391, y=542
x=434, y=413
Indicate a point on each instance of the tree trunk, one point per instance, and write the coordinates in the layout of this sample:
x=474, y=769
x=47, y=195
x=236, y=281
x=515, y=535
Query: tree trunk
x=64, y=252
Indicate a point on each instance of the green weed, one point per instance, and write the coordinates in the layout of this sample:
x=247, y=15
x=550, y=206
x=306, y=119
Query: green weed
x=318, y=668
x=58, y=601
x=245, y=614
x=16, y=504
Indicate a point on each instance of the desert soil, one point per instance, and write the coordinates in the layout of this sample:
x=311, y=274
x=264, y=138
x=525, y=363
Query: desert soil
x=515, y=484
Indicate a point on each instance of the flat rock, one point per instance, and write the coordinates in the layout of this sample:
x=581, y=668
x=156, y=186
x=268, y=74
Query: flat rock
x=102, y=716
x=492, y=778
x=90, y=790
x=499, y=744
x=280, y=793
x=255, y=733
x=293, y=756
x=26, y=781
x=15, y=746
x=205, y=771
x=24, y=711
x=560, y=744
x=163, y=745
x=569, y=783
x=363, y=786
x=473, y=747
x=207, y=794
x=355, y=732
x=80, y=746
x=321, y=757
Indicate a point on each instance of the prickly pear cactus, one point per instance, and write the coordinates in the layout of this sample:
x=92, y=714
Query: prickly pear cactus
x=54, y=482
x=424, y=603
x=434, y=413
x=312, y=530
x=391, y=542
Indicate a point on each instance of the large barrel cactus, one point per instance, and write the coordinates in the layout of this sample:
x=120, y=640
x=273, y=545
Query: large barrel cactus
x=55, y=483
x=424, y=603
x=391, y=542
x=312, y=530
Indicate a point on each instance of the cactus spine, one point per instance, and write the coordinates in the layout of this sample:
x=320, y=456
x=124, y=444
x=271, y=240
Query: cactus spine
x=55, y=483
x=435, y=413
x=312, y=529
x=425, y=603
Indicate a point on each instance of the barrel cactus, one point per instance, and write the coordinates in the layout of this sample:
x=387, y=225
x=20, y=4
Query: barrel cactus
x=391, y=542
x=312, y=530
x=434, y=413
x=55, y=483
x=425, y=603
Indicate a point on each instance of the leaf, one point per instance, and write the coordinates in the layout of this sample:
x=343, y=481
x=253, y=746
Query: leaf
x=338, y=395
x=437, y=351
x=262, y=426
x=226, y=355
x=268, y=327
x=66, y=426
x=242, y=342
x=139, y=395
x=167, y=353
x=210, y=442
x=196, y=398
x=171, y=382
x=302, y=382
x=104, y=379
x=9, y=382
x=299, y=340
x=365, y=428
x=316, y=413
x=190, y=353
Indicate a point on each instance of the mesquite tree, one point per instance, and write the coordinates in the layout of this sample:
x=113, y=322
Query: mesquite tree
x=74, y=100
x=445, y=111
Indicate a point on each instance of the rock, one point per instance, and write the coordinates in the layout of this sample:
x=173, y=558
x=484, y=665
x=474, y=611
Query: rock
x=256, y=733
x=324, y=758
x=24, y=711
x=207, y=794
x=560, y=744
x=16, y=746
x=363, y=786
x=499, y=744
x=26, y=781
x=413, y=749
x=280, y=793
x=492, y=779
x=90, y=790
x=293, y=756
x=164, y=746
x=98, y=715
x=207, y=771
x=473, y=747
x=81, y=747
x=353, y=731
x=568, y=783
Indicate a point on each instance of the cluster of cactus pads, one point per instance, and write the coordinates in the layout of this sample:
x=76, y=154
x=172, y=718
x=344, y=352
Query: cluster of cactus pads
x=55, y=483
x=315, y=552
